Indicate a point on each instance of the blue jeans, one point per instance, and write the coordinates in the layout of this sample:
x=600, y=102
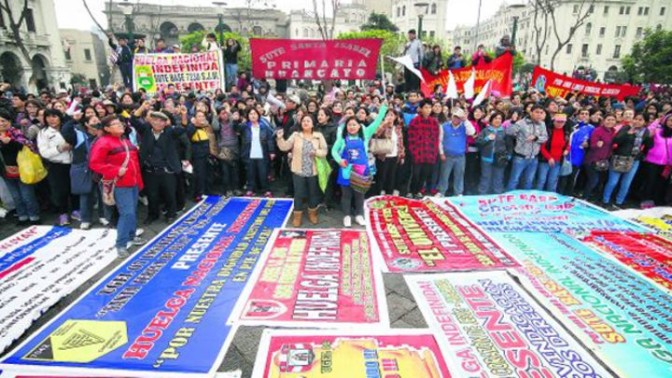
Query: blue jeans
x=24, y=199
x=127, y=205
x=454, y=164
x=231, y=71
x=548, y=176
x=524, y=167
x=624, y=178
x=491, y=177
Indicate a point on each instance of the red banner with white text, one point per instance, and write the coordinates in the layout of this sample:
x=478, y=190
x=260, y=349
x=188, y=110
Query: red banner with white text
x=556, y=85
x=499, y=71
x=314, y=59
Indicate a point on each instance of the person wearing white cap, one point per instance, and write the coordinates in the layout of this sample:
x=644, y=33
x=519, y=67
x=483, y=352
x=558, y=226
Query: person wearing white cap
x=453, y=139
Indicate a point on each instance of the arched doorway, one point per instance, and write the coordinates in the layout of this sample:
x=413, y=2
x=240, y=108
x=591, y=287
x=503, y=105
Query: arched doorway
x=169, y=32
x=195, y=26
x=39, y=64
x=10, y=68
x=224, y=28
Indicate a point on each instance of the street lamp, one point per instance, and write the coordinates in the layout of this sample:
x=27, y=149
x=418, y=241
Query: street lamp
x=421, y=9
x=220, y=5
x=127, y=10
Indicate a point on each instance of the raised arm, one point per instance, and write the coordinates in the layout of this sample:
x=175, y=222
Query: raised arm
x=373, y=127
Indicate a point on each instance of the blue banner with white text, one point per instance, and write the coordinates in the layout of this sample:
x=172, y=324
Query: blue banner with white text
x=165, y=309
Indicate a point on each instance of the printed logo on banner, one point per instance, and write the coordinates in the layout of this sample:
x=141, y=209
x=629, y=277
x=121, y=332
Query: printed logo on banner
x=490, y=326
x=421, y=236
x=161, y=313
x=393, y=353
x=316, y=278
x=80, y=341
x=42, y=264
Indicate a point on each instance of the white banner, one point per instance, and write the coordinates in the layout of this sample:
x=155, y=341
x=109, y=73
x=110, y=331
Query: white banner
x=41, y=265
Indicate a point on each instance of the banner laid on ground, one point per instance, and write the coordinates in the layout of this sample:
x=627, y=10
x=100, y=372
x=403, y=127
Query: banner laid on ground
x=40, y=265
x=498, y=71
x=198, y=71
x=488, y=326
x=618, y=313
x=419, y=236
x=385, y=354
x=658, y=219
x=315, y=59
x=314, y=278
x=164, y=311
x=557, y=85
x=536, y=211
x=648, y=254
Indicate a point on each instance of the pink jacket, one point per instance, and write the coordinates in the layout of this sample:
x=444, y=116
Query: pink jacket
x=661, y=152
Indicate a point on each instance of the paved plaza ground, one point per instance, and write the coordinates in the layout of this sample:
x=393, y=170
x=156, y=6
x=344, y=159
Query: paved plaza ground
x=403, y=311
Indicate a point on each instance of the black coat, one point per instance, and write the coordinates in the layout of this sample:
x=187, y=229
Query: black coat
x=168, y=142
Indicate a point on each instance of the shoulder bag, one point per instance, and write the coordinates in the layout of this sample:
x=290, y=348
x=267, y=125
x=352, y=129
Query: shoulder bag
x=109, y=185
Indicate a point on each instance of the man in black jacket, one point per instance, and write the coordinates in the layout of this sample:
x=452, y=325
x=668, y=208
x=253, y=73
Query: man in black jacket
x=160, y=160
x=124, y=53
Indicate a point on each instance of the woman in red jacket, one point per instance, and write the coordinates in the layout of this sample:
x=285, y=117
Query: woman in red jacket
x=115, y=158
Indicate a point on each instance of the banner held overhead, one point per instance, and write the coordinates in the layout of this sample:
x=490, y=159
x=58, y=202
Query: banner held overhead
x=315, y=59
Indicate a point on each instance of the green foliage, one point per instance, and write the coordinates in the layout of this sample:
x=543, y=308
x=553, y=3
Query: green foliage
x=650, y=60
x=392, y=42
x=379, y=21
x=194, y=39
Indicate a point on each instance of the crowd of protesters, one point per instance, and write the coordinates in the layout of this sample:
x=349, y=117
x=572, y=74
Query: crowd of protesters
x=110, y=150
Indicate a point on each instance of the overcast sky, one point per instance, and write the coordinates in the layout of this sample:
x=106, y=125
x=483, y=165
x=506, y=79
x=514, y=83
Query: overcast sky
x=72, y=15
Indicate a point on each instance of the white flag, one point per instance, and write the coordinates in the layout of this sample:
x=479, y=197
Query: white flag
x=482, y=95
x=451, y=90
x=408, y=63
x=469, y=86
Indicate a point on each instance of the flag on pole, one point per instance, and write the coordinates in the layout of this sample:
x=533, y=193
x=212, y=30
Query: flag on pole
x=483, y=94
x=469, y=85
x=408, y=63
x=451, y=90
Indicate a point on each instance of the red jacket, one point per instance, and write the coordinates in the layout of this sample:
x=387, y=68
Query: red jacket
x=108, y=155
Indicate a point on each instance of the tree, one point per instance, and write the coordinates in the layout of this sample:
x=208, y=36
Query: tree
x=326, y=30
x=194, y=39
x=102, y=29
x=392, y=42
x=582, y=10
x=650, y=60
x=379, y=21
x=539, y=26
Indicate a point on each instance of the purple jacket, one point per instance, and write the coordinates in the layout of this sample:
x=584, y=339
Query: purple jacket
x=596, y=153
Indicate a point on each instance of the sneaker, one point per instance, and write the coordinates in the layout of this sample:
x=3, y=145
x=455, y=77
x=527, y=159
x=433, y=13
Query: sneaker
x=143, y=200
x=228, y=193
x=382, y=192
x=198, y=198
x=249, y=194
x=63, y=220
x=122, y=252
x=395, y=193
x=76, y=215
x=360, y=220
x=347, y=221
x=135, y=242
x=409, y=195
x=237, y=193
x=103, y=221
x=434, y=192
x=85, y=226
x=139, y=232
x=35, y=222
x=418, y=195
x=438, y=194
x=268, y=195
x=647, y=205
x=22, y=222
x=614, y=207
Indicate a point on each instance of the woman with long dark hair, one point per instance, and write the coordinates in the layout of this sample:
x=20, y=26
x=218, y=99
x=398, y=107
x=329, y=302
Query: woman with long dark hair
x=657, y=165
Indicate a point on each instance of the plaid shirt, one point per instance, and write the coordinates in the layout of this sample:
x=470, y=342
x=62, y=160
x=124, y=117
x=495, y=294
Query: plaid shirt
x=423, y=140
